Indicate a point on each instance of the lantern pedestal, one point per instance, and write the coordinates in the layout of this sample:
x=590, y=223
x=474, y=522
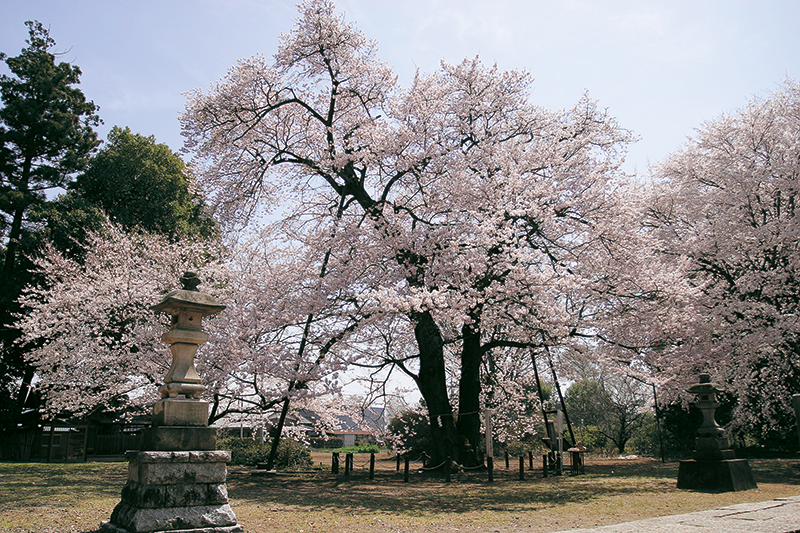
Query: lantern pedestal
x=177, y=492
x=179, y=438
x=724, y=475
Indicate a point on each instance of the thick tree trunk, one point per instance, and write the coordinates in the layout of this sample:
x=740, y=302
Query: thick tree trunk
x=16, y=223
x=469, y=389
x=432, y=385
x=13, y=243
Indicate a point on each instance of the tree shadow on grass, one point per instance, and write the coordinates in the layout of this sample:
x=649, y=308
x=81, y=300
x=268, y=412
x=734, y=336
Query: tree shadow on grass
x=429, y=494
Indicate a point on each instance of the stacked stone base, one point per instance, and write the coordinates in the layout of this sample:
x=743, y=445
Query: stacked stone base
x=723, y=475
x=175, y=492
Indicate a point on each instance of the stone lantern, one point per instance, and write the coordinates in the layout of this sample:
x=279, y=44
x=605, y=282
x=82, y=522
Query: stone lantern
x=713, y=466
x=180, y=405
x=177, y=482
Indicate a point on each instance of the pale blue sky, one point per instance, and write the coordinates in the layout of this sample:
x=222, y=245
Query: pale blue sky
x=660, y=67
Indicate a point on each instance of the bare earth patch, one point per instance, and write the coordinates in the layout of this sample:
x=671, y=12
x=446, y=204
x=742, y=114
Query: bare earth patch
x=46, y=498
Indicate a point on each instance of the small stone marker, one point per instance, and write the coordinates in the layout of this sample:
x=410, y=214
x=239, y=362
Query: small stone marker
x=714, y=466
x=177, y=483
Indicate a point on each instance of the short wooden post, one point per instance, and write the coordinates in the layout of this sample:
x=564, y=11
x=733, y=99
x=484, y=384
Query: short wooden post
x=405, y=470
x=447, y=467
x=348, y=463
x=530, y=459
x=490, y=468
x=372, y=465
x=335, y=463
x=50, y=446
x=507, y=467
x=544, y=465
x=85, y=442
x=522, y=468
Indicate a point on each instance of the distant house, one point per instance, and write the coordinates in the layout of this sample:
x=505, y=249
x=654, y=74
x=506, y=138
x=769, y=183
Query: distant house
x=350, y=431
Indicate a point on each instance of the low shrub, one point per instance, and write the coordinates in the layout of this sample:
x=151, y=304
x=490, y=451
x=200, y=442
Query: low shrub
x=292, y=455
x=245, y=451
x=330, y=443
x=364, y=448
x=248, y=452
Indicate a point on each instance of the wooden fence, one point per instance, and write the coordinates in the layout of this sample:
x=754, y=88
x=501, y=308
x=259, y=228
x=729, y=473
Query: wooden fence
x=550, y=465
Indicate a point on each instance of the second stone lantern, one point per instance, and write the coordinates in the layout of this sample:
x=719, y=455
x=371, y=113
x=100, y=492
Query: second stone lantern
x=713, y=466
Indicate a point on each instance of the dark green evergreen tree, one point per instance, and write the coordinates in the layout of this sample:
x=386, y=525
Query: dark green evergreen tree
x=46, y=132
x=46, y=137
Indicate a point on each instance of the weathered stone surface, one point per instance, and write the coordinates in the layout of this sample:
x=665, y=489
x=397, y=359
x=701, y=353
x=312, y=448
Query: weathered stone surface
x=154, y=496
x=724, y=475
x=215, y=456
x=177, y=473
x=108, y=527
x=138, y=520
x=180, y=412
x=168, y=438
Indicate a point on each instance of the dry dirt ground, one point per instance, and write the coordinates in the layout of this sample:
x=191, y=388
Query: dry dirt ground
x=76, y=497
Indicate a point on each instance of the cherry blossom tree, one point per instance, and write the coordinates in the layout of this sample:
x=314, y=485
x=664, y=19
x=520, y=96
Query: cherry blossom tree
x=91, y=336
x=464, y=213
x=95, y=343
x=726, y=204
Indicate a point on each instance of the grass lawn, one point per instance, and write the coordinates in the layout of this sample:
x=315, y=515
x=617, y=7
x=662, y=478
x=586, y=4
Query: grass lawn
x=50, y=498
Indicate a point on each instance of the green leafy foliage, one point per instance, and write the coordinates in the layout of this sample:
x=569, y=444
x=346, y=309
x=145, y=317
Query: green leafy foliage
x=143, y=184
x=328, y=444
x=613, y=405
x=46, y=130
x=363, y=448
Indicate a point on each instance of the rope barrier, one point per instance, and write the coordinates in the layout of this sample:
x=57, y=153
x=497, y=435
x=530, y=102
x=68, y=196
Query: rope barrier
x=434, y=467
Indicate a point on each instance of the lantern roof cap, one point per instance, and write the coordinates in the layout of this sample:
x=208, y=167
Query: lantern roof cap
x=189, y=299
x=706, y=386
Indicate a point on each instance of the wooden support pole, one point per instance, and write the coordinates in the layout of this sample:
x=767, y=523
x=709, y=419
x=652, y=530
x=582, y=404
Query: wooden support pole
x=522, y=468
x=507, y=466
x=490, y=467
x=447, y=468
x=335, y=463
x=348, y=463
x=372, y=465
x=544, y=465
x=405, y=470
x=530, y=459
